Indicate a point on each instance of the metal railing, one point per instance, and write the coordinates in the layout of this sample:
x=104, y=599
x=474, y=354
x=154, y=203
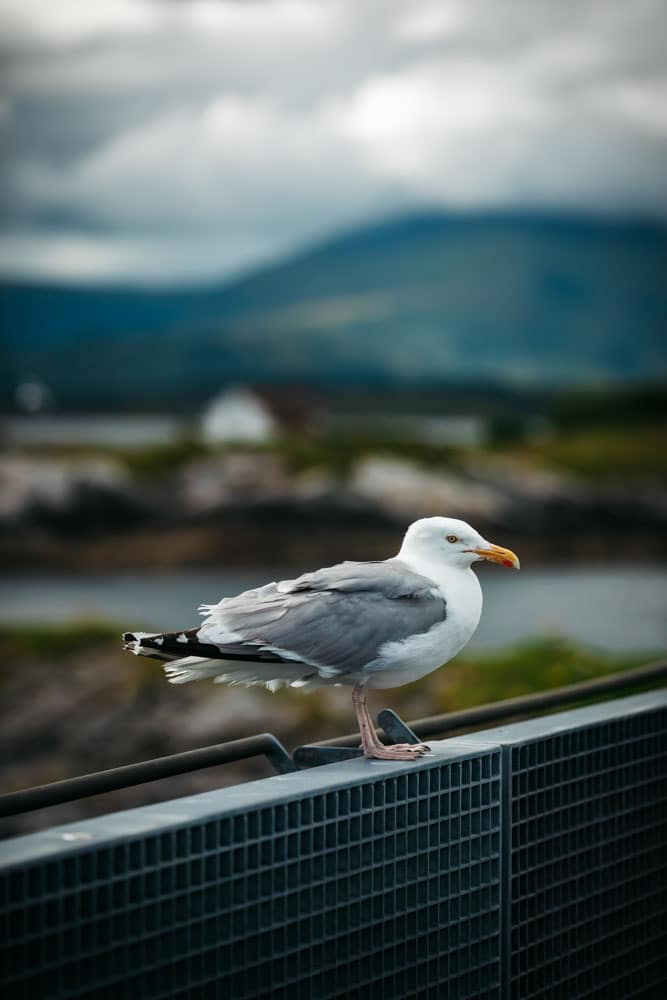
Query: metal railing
x=326, y=751
x=524, y=862
x=111, y=780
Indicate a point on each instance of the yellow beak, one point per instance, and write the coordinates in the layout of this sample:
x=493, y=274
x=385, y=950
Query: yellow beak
x=497, y=554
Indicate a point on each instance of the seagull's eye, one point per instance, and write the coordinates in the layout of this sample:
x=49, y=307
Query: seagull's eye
x=452, y=538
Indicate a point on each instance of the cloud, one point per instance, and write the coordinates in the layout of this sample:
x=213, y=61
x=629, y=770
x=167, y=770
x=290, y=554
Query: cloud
x=236, y=160
x=245, y=22
x=423, y=23
x=212, y=135
x=70, y=22
x=76, y=256
x=413, y=123
x=643, y=105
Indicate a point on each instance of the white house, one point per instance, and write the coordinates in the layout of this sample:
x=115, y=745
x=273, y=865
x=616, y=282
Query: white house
x=237, y=415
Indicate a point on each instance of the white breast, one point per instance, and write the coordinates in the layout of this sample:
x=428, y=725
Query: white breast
x=409, y=659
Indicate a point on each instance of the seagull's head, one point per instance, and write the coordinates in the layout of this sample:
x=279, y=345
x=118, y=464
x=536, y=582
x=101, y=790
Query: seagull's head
x=438, y=540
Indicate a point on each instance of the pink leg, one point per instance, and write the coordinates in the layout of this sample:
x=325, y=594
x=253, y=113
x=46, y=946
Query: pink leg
x=370, y=741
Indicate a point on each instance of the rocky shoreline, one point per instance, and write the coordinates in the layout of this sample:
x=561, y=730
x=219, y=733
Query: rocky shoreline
x=241, y=510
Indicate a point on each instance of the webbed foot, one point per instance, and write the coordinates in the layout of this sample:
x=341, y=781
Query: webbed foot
x=399, y=751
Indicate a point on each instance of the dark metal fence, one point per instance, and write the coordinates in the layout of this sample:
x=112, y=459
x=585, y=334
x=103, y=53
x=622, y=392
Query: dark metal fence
x=526, y=861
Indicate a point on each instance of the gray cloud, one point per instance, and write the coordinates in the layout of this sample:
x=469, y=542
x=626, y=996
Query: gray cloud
x=179, y=141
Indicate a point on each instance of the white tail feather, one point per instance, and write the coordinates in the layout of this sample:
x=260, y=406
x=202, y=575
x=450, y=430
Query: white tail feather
x=192, y=668
x=246, y=673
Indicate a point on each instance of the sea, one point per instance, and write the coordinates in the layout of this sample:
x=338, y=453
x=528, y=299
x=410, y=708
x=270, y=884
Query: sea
x=615, y=608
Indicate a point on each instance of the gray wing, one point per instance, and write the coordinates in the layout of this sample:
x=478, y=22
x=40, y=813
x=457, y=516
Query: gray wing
x=335, y=619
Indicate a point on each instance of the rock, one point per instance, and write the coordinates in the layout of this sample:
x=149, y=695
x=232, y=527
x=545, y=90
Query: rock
x=405, y=489
x=51, y=483
x=210, y=483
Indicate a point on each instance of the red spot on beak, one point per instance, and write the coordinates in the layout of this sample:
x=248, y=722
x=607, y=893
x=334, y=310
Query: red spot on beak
x=506, y=562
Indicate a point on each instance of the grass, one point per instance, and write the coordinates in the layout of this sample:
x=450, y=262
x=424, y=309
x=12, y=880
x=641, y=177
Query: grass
x=604, y=453
x=526, y=668
x=160, y=460
x=54, y=642
x=596, y=453
x=338, y=453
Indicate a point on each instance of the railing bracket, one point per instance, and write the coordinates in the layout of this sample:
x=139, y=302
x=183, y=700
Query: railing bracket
x=394, y=731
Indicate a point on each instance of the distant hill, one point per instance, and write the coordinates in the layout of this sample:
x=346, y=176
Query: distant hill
x=425, y=298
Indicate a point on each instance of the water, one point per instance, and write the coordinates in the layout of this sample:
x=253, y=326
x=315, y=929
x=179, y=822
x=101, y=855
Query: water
x=617, y=608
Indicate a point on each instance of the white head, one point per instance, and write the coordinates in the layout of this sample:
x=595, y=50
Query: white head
x=448, y=541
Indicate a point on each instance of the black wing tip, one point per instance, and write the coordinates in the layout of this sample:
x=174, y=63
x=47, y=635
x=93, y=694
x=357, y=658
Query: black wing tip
x=170, y=645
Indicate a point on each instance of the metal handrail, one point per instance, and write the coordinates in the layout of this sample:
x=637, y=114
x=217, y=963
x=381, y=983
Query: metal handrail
x=266, y=744
x=86, y=785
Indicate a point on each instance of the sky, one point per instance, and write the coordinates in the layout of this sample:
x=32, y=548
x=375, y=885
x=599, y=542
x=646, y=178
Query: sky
x=172, y=141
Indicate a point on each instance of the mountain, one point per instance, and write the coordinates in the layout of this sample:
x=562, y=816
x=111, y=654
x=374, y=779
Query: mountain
x=532, y=300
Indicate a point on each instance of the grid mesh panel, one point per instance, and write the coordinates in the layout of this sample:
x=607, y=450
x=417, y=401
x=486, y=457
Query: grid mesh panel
x=383, y=888
x=589, y=861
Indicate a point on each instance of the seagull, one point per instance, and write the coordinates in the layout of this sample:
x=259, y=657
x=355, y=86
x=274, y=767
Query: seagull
x=366, y=624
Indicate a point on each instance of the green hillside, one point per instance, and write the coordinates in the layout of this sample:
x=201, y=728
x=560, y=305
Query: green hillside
x=427, y=298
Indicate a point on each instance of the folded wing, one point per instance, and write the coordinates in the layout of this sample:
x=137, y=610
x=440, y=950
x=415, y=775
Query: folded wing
x=335, y=619
x=323, y=626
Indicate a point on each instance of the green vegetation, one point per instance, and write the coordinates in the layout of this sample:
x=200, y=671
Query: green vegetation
x=337, y=453
x=595, y=453
x=536, y=665
x=602, y=453
x=159, y=460
x=149, y=462
x=334, y=452
x=635, y=451
x=54, y=642
x=611, y=406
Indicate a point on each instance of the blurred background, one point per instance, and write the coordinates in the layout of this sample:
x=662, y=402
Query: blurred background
x=279, y=277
